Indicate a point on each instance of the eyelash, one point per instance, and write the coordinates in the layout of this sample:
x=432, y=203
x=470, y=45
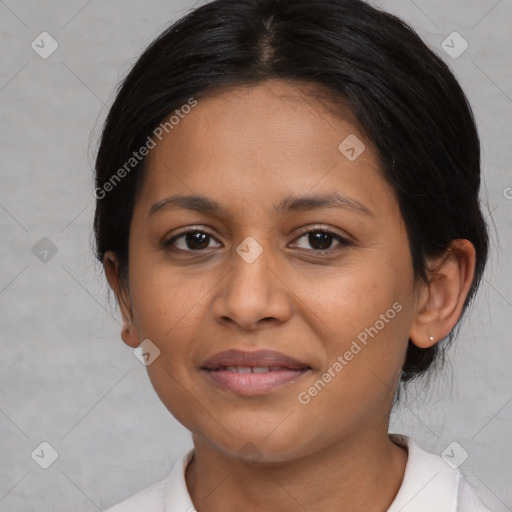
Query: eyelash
x=343, y=242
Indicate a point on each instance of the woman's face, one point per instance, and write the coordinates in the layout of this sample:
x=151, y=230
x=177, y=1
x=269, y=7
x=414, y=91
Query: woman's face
x=327, y=282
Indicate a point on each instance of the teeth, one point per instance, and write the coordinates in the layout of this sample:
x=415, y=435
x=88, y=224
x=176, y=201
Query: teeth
x=239, y=369
x=249, y=369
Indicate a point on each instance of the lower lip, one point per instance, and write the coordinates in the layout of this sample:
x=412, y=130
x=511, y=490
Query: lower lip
x=252, y=384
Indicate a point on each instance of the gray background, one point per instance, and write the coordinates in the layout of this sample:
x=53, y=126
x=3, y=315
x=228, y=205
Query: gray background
x=66, y=377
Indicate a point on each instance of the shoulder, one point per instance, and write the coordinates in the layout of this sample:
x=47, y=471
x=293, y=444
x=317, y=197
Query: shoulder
x=432, y=483
x=468, y=500
x=158, y=496
x=151, y=498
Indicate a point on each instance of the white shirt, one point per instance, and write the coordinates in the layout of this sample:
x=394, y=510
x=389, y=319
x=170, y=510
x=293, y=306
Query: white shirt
x=429, y=485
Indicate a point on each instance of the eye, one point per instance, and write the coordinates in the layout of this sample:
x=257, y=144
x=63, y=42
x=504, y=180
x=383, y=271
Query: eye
x=193, y=240
x=321, y=240
x=196, y=240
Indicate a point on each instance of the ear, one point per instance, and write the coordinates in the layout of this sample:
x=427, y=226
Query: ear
x=441, y=301
x=129, y=333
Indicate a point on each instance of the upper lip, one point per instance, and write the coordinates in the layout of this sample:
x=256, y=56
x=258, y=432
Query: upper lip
x=256, y=358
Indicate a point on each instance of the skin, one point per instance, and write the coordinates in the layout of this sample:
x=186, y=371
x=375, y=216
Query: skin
x=248, y=148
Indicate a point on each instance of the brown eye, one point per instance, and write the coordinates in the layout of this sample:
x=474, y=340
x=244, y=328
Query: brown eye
x=191, y=241
x=322, y=240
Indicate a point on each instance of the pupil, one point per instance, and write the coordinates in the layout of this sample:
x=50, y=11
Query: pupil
x=193, y=238
x=319, y=238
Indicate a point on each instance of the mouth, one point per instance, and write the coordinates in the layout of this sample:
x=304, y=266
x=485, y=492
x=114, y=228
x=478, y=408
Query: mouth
x=252, y=373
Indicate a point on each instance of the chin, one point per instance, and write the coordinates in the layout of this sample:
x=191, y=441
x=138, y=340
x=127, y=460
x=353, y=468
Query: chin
x=254, y=444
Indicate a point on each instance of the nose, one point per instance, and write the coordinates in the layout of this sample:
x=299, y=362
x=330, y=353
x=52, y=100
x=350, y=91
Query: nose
x=253, y=294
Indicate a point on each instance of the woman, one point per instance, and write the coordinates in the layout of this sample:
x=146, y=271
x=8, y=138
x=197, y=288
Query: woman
x=288, y=213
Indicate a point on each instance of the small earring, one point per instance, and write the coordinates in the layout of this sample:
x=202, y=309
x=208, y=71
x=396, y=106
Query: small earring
x=431, y=338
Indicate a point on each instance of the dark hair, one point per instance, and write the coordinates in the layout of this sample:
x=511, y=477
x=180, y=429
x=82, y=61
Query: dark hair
x=404, y=97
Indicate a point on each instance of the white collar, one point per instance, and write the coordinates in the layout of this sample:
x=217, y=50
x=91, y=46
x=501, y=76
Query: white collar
x=429, y=483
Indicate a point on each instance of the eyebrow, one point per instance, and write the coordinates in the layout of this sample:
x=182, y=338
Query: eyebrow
x=287, y=205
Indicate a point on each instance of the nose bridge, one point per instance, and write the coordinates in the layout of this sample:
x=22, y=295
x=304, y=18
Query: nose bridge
x=252, y=291
x=252, y=263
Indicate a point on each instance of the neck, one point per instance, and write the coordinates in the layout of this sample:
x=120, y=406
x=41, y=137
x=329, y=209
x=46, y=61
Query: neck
x=360, y=474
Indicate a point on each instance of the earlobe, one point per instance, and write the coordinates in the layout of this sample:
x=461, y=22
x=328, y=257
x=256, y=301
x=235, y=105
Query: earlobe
x=442, y=299
x=129, y=333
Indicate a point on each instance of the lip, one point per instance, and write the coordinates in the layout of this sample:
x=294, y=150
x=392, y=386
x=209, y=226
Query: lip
x=235, y=357
x=273, y=370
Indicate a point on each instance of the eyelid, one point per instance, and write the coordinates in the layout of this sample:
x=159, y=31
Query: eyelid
x=192, y=229
x=342, y=239
x=185, y=231
x=323, y=228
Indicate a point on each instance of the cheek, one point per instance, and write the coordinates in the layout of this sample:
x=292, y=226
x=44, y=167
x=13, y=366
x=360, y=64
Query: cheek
x=364, y=355
x=168, y=307
x=166, y=301
x=367, y=311
x=353, y=299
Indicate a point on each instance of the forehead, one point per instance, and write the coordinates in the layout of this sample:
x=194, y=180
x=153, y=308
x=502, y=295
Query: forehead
x=259, y=144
